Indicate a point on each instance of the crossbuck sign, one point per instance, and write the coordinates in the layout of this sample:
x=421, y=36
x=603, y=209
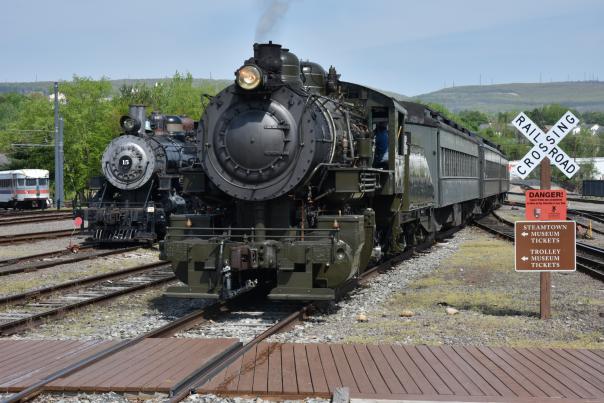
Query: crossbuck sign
x=545, y=144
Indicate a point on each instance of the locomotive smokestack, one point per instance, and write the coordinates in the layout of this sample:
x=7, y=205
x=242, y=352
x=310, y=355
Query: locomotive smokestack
x=139, y=112
x=268, y=57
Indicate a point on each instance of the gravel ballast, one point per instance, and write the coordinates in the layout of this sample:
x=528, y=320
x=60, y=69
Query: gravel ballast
x=472, y=277
x=27, y=281
x=43, y=226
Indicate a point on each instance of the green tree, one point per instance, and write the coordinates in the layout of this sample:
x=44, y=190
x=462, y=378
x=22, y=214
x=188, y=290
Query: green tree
x=90, y=121
x=91, y=114
x=177, y=96
x=473, y=119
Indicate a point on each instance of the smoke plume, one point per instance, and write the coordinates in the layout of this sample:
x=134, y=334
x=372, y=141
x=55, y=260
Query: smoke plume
x=269, y=21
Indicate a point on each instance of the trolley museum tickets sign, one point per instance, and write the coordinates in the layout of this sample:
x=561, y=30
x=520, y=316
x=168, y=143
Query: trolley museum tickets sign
x=545, y=246
x=545, y=204
x=545, y=144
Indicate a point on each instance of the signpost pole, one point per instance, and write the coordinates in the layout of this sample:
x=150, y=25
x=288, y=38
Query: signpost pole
x=545, y=277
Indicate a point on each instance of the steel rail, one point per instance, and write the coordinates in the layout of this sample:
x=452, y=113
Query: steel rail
x=19, y=238
x=37, y=256
x=21, y=213
x=27, y=219
x=13, y=268
x=14, y=326
x=70, y=285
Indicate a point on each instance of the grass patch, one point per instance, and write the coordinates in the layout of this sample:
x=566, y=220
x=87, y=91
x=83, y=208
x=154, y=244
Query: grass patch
x=498, y=307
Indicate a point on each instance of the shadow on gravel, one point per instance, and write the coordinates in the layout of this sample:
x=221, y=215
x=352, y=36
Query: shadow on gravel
x=173, y=308
x=494, y=311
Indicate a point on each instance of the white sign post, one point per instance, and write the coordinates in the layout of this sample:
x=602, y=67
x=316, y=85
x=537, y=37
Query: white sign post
x=545, y=144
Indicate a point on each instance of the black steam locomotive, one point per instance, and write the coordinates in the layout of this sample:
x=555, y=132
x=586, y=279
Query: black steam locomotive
x=141, y=185
x=288, y=152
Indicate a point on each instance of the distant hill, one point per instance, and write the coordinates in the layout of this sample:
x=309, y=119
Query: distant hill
x=581, y=95
x=46, y=86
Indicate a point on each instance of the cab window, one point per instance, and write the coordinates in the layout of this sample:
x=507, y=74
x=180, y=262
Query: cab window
x=21, y=182
x=31, y=182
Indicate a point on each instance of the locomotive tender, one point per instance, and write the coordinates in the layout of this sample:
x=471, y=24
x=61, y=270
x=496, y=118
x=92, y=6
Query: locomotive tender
x=141, y=183
x=287, y=151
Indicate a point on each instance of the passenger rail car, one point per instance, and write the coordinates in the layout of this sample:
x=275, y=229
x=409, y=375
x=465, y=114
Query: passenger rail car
x=316, y=178
x=24, y=189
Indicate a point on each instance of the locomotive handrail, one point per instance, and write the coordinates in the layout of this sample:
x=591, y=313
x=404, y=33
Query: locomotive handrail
x=255, y=229
x=243, y=236
x=226, y=232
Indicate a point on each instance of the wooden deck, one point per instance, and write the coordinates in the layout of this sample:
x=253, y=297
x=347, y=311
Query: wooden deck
x=447, y=373
x=153, y=365
x=416, y=373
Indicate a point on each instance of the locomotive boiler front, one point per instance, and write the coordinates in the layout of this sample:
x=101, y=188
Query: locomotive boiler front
x=129, y=162
x=263, y=136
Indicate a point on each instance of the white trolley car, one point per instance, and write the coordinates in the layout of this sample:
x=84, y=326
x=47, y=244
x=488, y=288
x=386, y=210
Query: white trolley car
x=24, y=188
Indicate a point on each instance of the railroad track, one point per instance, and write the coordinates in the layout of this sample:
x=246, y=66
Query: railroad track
x=44, y=303
x=590, y=259
x=20, y=213
x=63, y=256
x=264, y=325
x=14, y=220
x=573, y=214
x=569, y=198
x=36, y=236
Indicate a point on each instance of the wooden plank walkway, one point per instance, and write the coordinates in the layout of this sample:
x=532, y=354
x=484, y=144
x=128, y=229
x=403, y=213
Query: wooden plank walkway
x=447, y=373
x=25, y=362
x=416, y=373
x=153, y=365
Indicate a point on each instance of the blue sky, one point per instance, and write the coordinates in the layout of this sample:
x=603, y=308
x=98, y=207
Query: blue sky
x=409, y=47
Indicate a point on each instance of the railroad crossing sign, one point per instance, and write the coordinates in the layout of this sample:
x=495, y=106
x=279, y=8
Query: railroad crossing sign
x=545, y=144
x=544, y=246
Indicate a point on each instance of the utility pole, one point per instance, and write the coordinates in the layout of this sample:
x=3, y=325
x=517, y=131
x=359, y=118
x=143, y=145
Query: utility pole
x=59, y=192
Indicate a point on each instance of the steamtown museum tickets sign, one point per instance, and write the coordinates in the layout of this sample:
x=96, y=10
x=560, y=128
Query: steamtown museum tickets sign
x=545, y=246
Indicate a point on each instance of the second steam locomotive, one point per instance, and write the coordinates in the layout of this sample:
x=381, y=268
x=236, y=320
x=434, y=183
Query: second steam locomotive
x=289, y=154
x=141, y=183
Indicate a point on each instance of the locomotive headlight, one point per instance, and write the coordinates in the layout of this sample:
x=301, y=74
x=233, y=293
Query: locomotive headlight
x=249, y=77
x=129, y=124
